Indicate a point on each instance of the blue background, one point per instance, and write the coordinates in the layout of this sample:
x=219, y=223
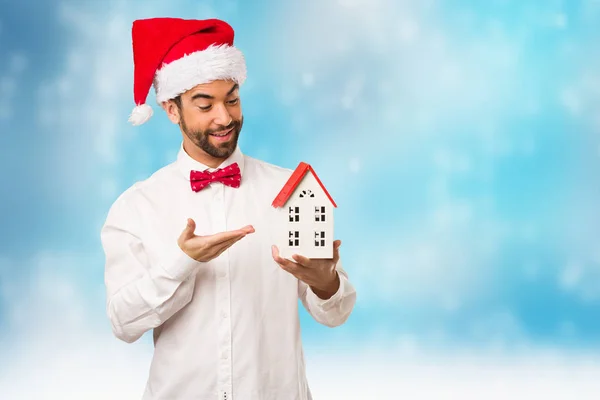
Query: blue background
x=460, y=140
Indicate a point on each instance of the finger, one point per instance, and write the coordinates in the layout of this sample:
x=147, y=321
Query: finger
x=210, y=249
x=248, y=229
x=222, y=237
x=188, y=231
x=336, y=251
x=304, y=261
x=209, y=253
x=218, y=249
x=245, y=229
x=276, y=256
x=284, y=263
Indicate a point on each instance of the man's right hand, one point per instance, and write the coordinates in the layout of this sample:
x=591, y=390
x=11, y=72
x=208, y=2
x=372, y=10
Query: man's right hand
x=206, y=248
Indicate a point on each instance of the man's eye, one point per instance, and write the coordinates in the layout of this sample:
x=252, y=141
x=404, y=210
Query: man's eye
x=233, y=102
x=206, y=108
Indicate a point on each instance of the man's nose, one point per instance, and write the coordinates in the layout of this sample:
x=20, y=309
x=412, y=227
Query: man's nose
x=223, y=117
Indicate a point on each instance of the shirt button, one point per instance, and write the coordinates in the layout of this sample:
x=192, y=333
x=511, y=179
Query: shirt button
x=224, y=355
x=224, y=314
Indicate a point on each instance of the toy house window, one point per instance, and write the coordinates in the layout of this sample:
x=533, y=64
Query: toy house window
x=294, y=238
x=320, y=214
x=294, y=214
x=306, y=193
x=319, y=239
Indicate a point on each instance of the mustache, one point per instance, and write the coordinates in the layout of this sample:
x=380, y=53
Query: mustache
x=224, y=129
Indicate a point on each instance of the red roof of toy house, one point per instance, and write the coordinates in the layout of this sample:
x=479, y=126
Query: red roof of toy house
x=293, y=182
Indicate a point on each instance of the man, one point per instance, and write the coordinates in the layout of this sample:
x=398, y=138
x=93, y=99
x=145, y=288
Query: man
x=189, y=251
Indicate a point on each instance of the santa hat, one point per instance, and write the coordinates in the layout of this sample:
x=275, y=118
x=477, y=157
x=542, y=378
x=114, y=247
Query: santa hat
x=176, y=54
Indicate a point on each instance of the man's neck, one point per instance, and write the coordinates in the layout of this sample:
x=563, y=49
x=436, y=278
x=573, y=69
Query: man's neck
x=200, y=155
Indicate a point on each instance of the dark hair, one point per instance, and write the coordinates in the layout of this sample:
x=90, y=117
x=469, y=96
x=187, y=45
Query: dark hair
x=177, y=101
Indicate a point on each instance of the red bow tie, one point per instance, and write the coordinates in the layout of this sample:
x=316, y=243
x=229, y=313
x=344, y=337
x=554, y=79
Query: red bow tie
x=229, y=176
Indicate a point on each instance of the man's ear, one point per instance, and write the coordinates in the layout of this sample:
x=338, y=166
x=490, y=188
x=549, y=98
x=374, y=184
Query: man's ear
x=172, y=111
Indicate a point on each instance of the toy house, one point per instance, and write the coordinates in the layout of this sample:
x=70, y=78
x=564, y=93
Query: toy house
x=306, y=210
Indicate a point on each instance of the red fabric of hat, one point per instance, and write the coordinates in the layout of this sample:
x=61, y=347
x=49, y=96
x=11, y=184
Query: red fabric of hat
x=176, y=54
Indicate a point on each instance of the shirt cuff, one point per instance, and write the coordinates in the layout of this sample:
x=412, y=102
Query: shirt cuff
x=178, y=264
x=326, y=304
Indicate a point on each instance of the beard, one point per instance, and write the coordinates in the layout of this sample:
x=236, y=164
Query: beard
x=202, y=138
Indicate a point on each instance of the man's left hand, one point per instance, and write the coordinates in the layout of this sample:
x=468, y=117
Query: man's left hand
x=320, y=274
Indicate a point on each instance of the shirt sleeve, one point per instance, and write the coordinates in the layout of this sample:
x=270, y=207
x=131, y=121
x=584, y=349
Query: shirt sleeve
x=141, y=295
x=334, y=311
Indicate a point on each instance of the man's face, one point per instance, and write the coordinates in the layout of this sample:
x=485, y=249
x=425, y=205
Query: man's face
x=211, y=117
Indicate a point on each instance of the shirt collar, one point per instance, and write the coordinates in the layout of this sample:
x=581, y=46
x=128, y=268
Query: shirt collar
x=185, y=163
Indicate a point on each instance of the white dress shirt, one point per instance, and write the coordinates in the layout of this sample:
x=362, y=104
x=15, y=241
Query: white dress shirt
x=227, y=329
